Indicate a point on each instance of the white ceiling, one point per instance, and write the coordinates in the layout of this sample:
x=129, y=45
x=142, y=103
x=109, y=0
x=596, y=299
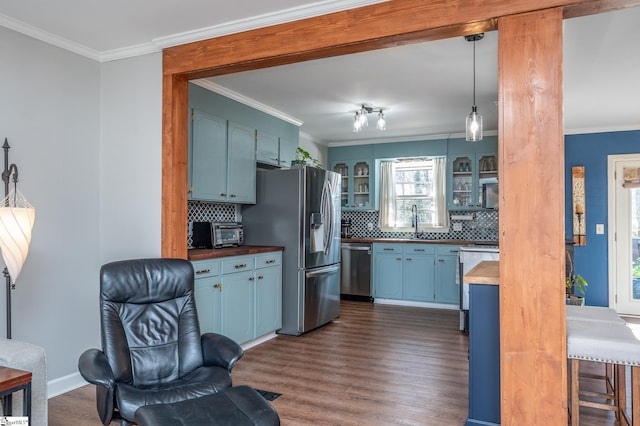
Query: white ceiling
x=426, y=88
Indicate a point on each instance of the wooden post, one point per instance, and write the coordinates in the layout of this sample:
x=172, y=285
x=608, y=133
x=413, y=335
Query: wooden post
x=531, y=155
x=174, y=166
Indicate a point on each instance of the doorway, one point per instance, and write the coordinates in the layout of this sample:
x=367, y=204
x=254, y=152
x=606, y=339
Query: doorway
x=624, y=233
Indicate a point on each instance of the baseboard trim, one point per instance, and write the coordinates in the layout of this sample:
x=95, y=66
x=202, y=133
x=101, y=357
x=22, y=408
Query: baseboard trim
x=65, y=384
x=416, y=304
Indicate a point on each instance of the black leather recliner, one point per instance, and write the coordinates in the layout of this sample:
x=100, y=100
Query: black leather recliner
x=152, y=350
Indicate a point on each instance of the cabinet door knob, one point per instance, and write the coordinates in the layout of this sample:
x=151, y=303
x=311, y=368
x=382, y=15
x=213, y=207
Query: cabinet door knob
x=251, y=278
x=232, y=195
x=218, y=286
x=222, y=194
x=260, y=277
x=408, y=258
x=398, y=258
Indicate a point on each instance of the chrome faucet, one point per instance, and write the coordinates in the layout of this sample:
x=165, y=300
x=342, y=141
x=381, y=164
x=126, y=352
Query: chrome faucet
x=414, y=212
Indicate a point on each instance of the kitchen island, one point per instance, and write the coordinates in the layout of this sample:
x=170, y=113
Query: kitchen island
x=484, y=343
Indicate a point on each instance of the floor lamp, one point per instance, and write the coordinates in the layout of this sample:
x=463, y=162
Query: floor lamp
x=16, y=221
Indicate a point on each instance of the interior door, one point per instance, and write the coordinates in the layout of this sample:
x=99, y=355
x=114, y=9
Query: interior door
x=624, y=233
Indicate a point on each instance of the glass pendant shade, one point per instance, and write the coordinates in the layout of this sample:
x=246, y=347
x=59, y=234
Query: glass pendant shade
x=16, y=222
x=356, y=123
x=382, y=123
x=474, y=126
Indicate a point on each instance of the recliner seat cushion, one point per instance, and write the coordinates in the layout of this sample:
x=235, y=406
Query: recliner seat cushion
x=200, y=382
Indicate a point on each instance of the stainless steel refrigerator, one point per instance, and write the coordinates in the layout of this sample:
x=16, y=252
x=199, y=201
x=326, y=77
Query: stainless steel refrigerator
x=299, y=209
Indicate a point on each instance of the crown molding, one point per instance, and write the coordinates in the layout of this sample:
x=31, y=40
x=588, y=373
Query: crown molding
x=586, y=130
x=159, y=43
x=209, y=85
x=415, y=138
x=47, y=37
x=264, y=20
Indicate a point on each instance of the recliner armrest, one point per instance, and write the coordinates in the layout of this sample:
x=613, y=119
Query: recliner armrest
x=95, y=368
x=220, y=350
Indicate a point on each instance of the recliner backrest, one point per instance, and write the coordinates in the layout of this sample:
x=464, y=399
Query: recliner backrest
x=150, y=331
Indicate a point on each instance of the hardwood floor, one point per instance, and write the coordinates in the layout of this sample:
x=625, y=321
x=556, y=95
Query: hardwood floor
x=375, y=365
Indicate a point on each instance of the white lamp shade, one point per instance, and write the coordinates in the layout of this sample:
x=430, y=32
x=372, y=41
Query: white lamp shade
x=16, y=224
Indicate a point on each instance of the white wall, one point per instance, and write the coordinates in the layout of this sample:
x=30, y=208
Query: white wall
x=317, y=150
x=50, y=111
x=87, y=139
x=131, y=158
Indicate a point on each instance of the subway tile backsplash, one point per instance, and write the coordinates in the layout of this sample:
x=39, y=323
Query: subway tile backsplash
x=484, y=227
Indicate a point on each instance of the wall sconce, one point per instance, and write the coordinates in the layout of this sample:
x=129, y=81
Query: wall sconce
x=360, y=119
x=578, y=202
x=16, y=222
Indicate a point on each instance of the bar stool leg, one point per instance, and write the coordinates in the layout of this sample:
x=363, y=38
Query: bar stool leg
x=575, y=392
x=620, y=391
x=635, y=396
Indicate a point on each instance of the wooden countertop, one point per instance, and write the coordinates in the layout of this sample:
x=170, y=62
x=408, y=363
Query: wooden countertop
x=202, y=254
x=412, y=241
x=485, y=272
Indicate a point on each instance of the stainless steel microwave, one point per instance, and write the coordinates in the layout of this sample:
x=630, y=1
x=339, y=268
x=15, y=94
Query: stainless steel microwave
x=227, y=234
x=490, y=194
x=217, y=235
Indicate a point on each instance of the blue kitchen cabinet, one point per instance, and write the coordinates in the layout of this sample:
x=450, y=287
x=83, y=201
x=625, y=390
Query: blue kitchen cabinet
x=207, y=293
x=357, y=184
x=241, y=163
x=467, y=164
x=267, y=148
x=237, y=306
x=222, y=160
x=240, y=296
x=484, y=355
x=417, y=272
x=447, y=287
x=268, y=295
x=387, y=271
x=288, y=147
x=207, y=176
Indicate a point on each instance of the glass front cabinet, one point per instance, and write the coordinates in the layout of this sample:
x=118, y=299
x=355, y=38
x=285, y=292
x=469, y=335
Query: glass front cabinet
x=467, y=174
x=357, y=184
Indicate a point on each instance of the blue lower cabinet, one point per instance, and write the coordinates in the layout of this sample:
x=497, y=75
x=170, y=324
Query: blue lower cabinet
x=484, y=355
x=237, y=306
x=387, y=276
x=240, y=296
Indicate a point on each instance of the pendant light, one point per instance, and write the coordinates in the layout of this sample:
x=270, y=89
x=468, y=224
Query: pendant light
x=474, y=120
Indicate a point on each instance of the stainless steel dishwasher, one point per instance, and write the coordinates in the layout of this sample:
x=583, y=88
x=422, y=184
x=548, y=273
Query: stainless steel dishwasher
x=355, y=275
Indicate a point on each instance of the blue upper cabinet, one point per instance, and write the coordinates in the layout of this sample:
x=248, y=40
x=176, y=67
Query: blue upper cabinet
x=267, y=148
x=357, y=184
x=207, y=176
x=226, y=139
x=222, y=160
x=241, y=163
x=468, y=165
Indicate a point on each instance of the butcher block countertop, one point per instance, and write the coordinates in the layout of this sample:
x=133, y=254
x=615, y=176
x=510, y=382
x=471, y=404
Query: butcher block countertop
x=485, y=272
x=415, y=241
x=202, y=254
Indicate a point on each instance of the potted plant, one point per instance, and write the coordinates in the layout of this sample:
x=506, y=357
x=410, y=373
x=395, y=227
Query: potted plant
x=575, y=282
x=303, y=158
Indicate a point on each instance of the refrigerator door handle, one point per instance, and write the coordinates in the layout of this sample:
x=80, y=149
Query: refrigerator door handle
x=326, y=206
x=321, y=271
